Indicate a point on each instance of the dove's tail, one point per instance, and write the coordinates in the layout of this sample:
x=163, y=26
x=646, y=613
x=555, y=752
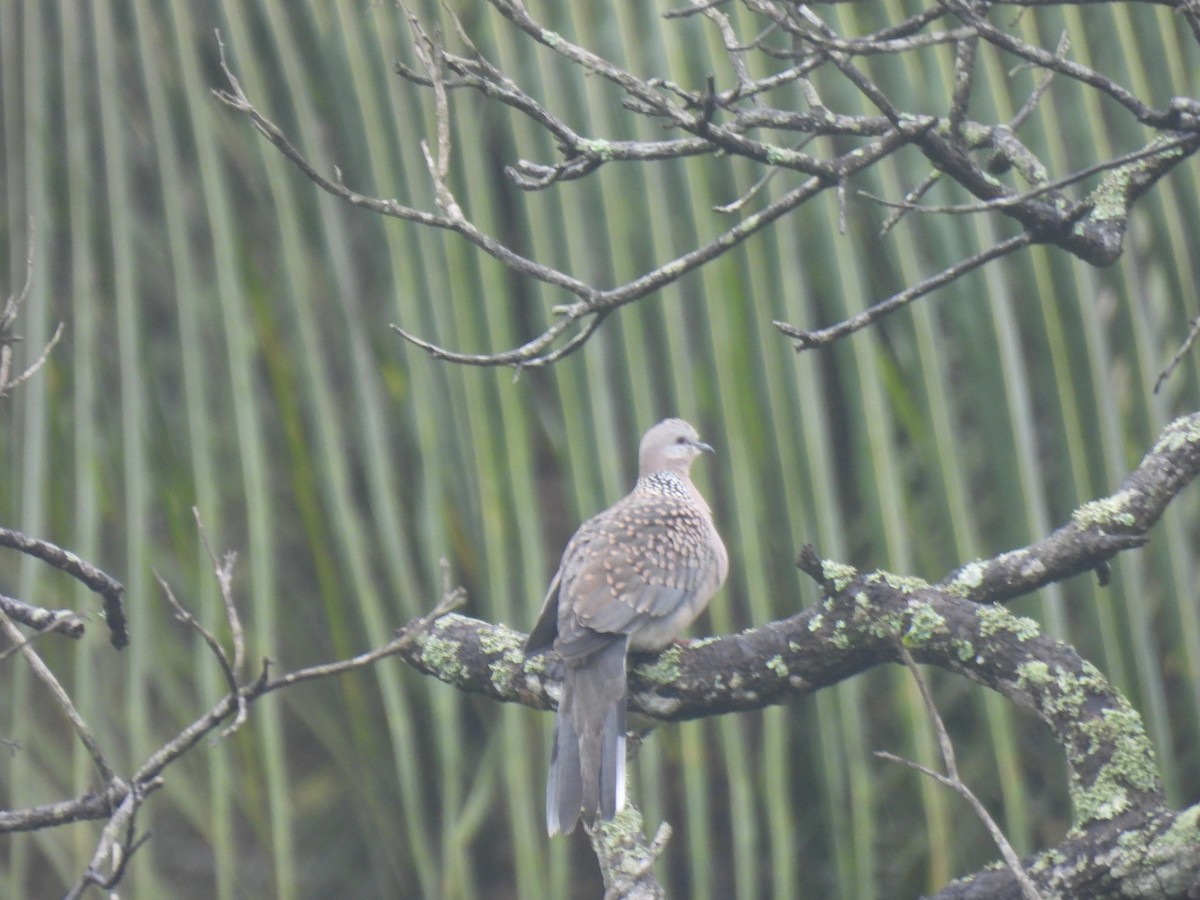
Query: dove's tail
x=587, y=768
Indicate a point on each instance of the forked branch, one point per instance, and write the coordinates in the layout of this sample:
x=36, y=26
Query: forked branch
x=119, y=800
x=755, y=117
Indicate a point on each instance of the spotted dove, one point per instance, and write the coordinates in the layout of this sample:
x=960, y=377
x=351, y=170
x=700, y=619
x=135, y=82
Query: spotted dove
x=633, y=576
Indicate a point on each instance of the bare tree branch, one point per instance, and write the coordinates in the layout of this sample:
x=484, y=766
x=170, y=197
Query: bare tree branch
x=64, y=560
x=952, y=780
x=1054, y=63
x=62, y=621
x=118, y=842
x=736, y=119
x=119, y=801
x=1193, y=333
x=227, y=668
x=61, y=697
x=806, y=340
x=1010, y=152
x=223, y=570
x=8, y=317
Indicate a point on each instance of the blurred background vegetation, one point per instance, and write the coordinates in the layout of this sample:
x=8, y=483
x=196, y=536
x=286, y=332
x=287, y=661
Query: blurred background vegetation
x=227, y=346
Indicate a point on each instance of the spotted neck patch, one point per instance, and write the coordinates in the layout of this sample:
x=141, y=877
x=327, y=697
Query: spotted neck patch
x=665, y=483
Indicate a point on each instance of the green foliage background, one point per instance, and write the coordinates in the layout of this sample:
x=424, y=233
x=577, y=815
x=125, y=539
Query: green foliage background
x=227, y=346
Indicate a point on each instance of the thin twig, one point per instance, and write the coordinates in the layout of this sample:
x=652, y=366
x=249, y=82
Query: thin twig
x=806, y=340
x=951, y=780
x=404, y=637
x=430, y=54
x=1144, y=113
x=63, y=621
x=223, y=570
x=1039, y=90
x=8, y=318
x=1193, y=333
x=13, y=304
x=7, y=384
x=910, y=200
x=47, y=677
x=64, y=560
x=118, y=842
x=262, y=685
x=696, y=9
x=118, y=802
x=729, y=38
x=530, y=355
x=227, y=669
x=736, y=205
x=8, y=315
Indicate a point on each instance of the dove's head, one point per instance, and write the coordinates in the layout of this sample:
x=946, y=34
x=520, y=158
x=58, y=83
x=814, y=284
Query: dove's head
x=671, y=445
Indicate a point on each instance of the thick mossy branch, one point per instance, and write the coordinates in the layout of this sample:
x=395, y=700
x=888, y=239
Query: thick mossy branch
x=860, y=625
x=1151, y=855
x=1098, y=530
x=856, y=626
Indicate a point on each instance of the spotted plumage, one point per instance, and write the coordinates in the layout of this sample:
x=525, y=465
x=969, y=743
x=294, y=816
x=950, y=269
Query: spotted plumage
x=633, y=576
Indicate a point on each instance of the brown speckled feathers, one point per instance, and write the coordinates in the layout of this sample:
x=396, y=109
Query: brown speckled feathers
x=633, y=576
x=644, y=567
